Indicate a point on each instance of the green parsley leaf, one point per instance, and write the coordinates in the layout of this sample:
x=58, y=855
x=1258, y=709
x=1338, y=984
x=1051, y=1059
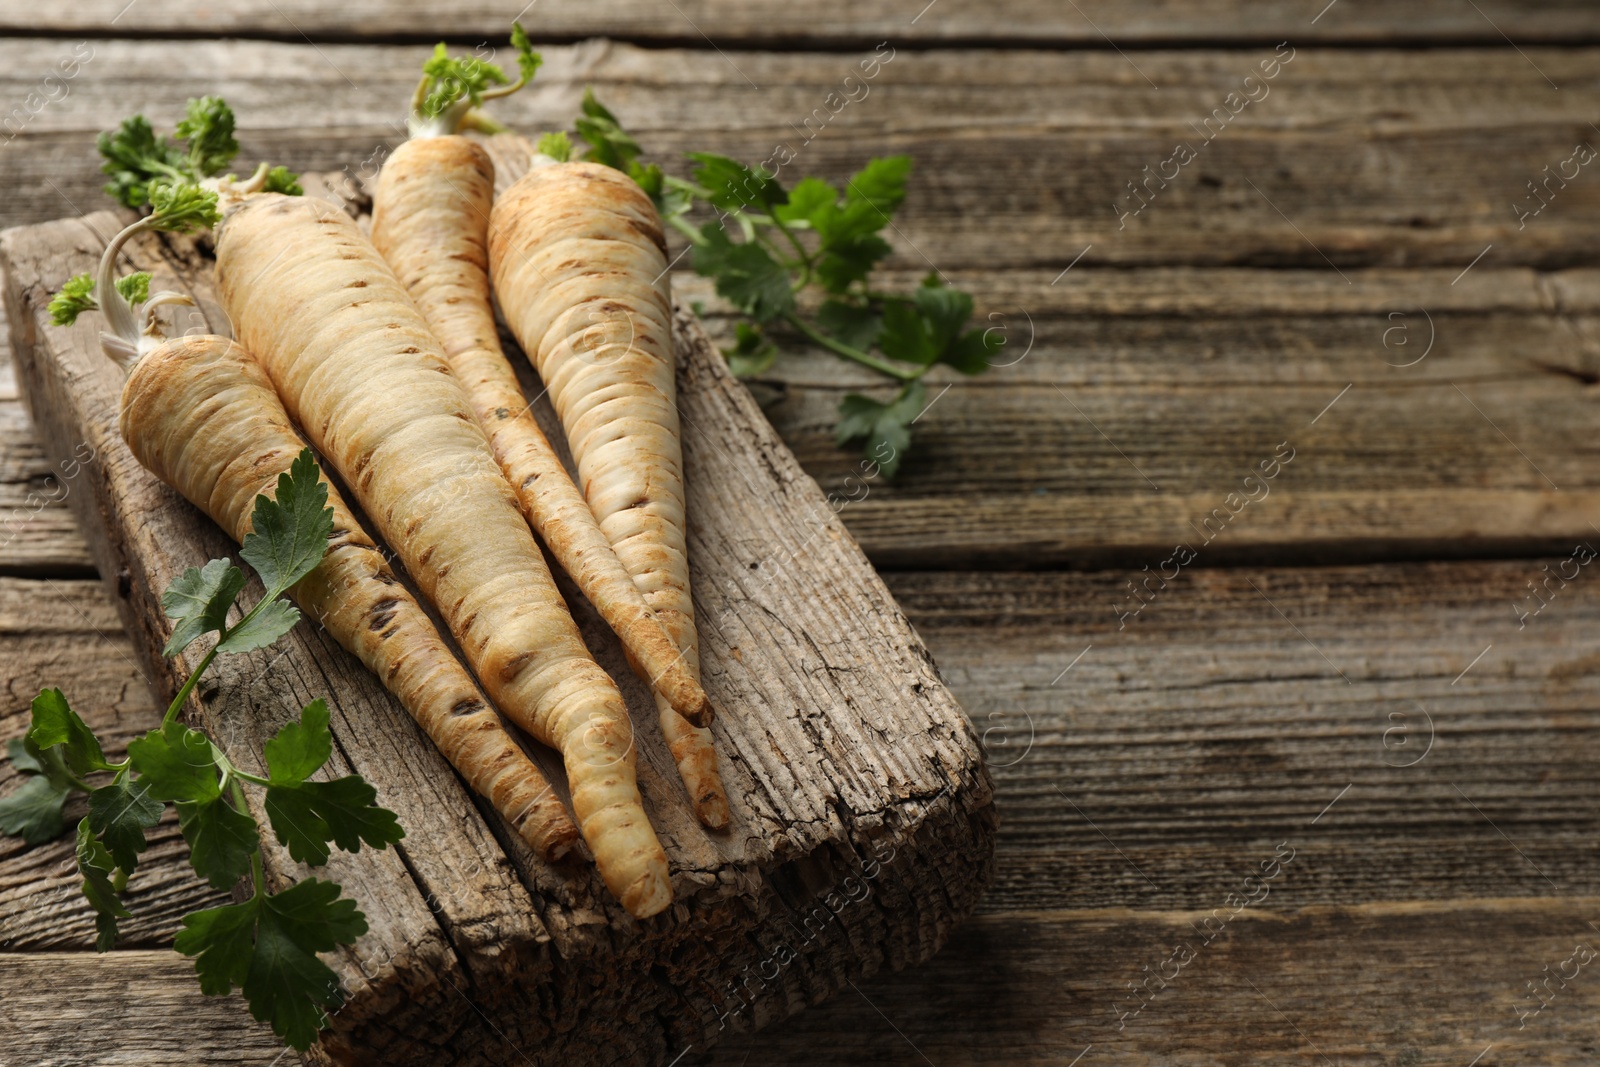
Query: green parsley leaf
x=927, y=329
x=34, y=812
x=222, y=940
x=268, y=945
x=75, y=297
x=453, y=78
x=180, y=207
x=881, y=183
x=176, y=763
x=134, y=156
x=135, y=288
x=55, y=723
x=267, y=622
x=734, y=186
x=289, y=531
x=973, y=351
x=528, y=61
x=809, y=197
x=120, y=813
x=199, y=601
x=283, y=180
x=208, y=128
x=608, y=142
x=307, y=815
x=852, y=324
x=300, y=748
x=746, y=274
x=221, y=840
x=752, y=353
x=96, y=865
x=558, y=146
x=24, y=756
x=849, y=259
x=886, y=427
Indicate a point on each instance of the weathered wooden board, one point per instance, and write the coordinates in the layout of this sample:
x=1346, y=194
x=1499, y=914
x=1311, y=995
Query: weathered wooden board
x=831, y=23
x=839, y=744
x=1023, y=158
x=1365, y=986
x=1193, y=740
x=1192, y=377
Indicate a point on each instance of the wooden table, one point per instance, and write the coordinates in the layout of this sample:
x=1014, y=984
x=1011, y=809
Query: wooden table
x=1345, y=693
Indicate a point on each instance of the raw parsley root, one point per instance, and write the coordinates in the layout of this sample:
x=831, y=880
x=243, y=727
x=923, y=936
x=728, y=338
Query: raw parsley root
x=814, y=241
x=430, y=219
x=267, y=945
x=580, y=271
x=358, y=368
x=200, y=413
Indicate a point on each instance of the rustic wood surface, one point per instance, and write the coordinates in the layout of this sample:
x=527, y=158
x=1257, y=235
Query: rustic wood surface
x=796, y=630
x=1321, y=642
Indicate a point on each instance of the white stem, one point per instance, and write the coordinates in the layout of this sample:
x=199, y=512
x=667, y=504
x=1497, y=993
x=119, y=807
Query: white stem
x=123, y=337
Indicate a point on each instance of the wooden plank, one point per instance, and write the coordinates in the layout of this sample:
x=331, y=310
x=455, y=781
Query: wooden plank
x=1425, y=419
x=1210, y=728
x=1363, y=987
x=1429, y=984
x=832, y=23
x=892, y=765
x=1194, y=376
x=1362, y=157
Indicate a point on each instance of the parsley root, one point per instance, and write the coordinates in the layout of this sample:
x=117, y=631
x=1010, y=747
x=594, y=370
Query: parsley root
x=359, y=370
x=430, y=220
x=200, y=413
x=579, y=265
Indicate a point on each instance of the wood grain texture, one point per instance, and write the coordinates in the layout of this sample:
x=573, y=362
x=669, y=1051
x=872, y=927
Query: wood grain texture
x=1362, y=986
x=1208, y=729
x=1023, y=158
x=1191, y=376
x=833, y=23
x=891, y=768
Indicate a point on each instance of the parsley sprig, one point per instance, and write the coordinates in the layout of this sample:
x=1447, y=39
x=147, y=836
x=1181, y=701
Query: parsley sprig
x=453, y=88
x=801, y=260
x=137, y=158
x=268, y=944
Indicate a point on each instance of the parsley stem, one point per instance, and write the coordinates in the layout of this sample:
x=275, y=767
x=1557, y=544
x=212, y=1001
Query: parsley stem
x=257, y=874
x=188, y=687
x=682, y=225
x=855, y=355
x=805, y=257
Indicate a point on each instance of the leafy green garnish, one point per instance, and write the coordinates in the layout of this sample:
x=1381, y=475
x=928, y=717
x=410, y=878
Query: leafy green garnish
x=464, y=82
x=135, y=288
x=452, y=78
x=558, y=146
x=178, y=208
x=207, y=128
x=75, y=297
x=775, y=253
x=268, y=944
x=885, y=427
x=282, y=180
x=137, y=158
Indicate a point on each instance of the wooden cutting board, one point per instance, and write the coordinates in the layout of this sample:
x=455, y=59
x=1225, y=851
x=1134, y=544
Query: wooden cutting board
x=863, y=817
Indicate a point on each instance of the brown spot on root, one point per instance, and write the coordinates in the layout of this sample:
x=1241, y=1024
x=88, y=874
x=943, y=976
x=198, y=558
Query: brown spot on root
x=359, y=283
x=512, y=667
x=382, y=613
x=469, y=706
